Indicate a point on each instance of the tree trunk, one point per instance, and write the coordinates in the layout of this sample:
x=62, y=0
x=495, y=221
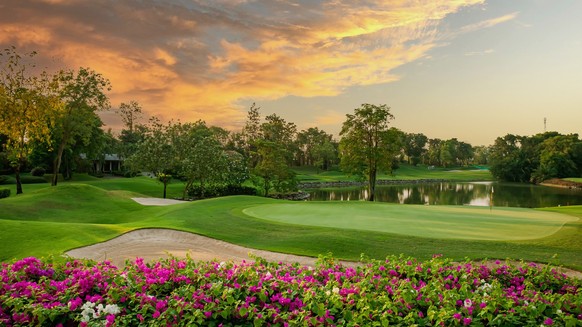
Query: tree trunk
x=165, y=186
x=371, y=184
x=57, y=164
x=18, y=181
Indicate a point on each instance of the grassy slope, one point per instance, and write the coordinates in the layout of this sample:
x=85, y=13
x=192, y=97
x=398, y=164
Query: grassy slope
x=574, y=179
x=405, y=172
x=89, y=214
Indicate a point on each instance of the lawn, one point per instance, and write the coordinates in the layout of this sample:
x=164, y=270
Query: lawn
x=447, y=222
x=50, y=221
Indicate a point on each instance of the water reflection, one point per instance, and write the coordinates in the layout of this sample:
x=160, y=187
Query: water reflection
x=479, y=194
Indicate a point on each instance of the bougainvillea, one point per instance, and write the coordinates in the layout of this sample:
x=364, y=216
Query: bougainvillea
x=184, y=292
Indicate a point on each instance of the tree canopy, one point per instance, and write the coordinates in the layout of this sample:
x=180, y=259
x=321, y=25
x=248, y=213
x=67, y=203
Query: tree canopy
x=366, y=143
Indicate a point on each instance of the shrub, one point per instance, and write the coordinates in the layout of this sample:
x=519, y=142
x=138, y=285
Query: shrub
x=212, y=191
x=38, y=171
x=4, y=180
x=32, y=180
x=4, y=193
x=397, y=291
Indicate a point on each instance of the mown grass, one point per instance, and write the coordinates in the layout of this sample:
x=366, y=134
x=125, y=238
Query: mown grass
x=404, y=172
x=574, y=179
x=54, y=220
x=449, y=222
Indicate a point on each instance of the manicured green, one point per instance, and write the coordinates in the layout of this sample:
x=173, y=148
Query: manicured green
x=454, y=222
x=574, y=179
x=404, y=172
x=55, y=219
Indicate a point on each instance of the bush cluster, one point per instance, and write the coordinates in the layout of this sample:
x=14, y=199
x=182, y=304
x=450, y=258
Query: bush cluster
x=212, y=191
x=4, y=193
x=32, y=180
x=396, y=291
x=38, y=171
x=4, y=180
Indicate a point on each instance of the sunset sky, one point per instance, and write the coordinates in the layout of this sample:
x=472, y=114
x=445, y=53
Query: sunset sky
x=469, y=69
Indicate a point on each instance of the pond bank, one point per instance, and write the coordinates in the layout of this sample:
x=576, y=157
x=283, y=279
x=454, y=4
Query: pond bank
x=562, y=183
x=311, y=185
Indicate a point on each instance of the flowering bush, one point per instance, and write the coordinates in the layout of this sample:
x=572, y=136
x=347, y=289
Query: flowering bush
x=398, y=290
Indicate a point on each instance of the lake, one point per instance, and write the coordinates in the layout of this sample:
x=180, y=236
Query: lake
x=465, y=193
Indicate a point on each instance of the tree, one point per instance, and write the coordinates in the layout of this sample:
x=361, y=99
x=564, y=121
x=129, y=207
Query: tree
x=277, y=130
x=81, y=95
x=365, y=145
x=155, y=153
x=311, y=141
x=23, y=109
x=250, y=134
x=130, y=113
x=199, y=155
x=272, y=169
x=560, y=157
x=414, y=147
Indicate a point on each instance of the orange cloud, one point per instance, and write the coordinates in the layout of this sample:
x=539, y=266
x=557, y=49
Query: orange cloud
x=196, y=60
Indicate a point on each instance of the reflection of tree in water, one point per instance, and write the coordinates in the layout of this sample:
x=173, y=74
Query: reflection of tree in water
x=506, y=194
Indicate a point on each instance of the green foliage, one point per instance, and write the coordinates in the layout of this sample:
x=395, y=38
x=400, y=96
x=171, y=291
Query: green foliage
x=217, y=190
x=38, y=171
x=80, y=95
x=32, y=179
x=368, y=146
x=536, y=158
x=4, y=193
x=5, y=179
x=272, y=170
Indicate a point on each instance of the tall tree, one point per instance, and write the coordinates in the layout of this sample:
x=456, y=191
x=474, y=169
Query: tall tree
x=199, y=155
x=250, y=134
x=277, y=130
x=82, y=94
x=414, y=147
x=272, y=169
x=130, y=114
x=155, y=153
x=365, y=144
x=23, y=109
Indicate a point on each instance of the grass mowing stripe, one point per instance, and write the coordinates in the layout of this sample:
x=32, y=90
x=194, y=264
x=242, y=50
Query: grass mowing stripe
x=422, y=221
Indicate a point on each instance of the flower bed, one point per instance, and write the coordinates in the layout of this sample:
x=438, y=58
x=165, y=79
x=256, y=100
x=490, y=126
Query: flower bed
x=178, y=292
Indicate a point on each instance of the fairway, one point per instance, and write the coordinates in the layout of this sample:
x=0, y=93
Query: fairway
x=448, y=222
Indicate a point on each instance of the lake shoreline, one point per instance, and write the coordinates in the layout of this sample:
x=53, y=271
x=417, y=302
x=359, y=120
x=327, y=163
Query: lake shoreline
x=316, y=185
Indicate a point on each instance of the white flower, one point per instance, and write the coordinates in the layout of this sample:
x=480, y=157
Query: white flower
x=336, y=290
x=111, y=309
x=558, y=311
x=328, y=293
x=468, y=303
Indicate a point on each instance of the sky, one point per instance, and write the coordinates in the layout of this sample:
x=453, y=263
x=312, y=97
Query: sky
x=467, y=69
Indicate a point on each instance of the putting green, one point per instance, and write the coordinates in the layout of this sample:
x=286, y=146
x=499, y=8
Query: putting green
x=451, y=222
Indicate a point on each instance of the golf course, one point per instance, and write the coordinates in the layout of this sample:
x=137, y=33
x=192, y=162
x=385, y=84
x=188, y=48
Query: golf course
x=48, y=221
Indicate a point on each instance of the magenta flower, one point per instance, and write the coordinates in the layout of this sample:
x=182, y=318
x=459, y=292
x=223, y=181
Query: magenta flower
x=457, y=316
x=467, y=321
x=548, y=322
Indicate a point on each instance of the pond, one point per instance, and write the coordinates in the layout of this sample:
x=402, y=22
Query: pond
x=468, y=193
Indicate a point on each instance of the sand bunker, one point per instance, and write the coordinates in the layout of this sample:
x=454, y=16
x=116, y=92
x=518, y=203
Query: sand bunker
x=152, y=244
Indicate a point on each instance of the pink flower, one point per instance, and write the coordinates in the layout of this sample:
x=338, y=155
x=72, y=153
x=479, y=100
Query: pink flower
x=457, y=316
x=548, y=322
x=208, y=314
x=156, y=314
x=110, y=320
x=467, y=321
